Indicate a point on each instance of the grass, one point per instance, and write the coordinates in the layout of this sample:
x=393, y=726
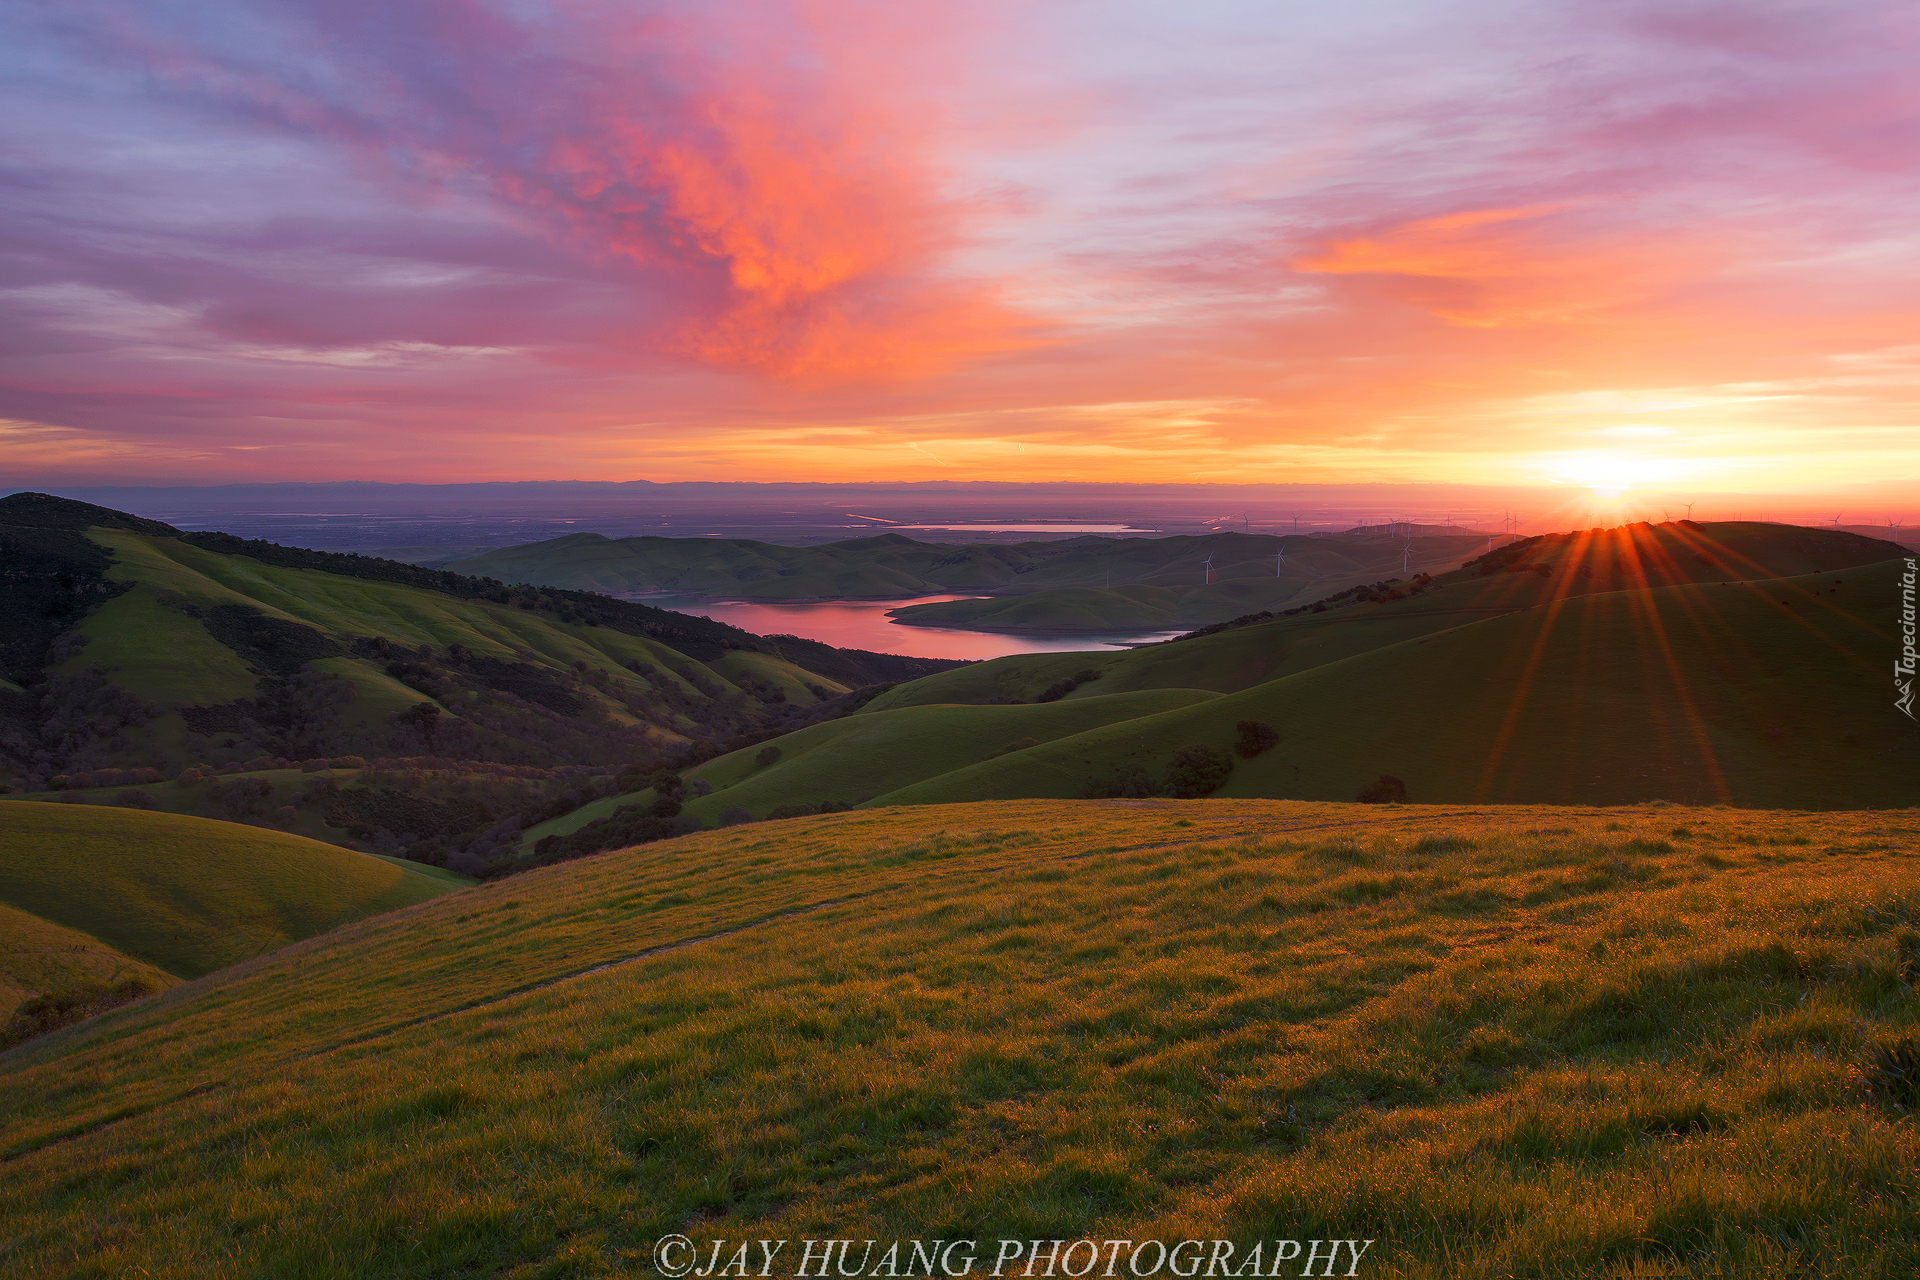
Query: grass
x=38, y=956
x=862, y=756
x=189, y=895
x=1749, y=693
x=190, y=667
x=1503, y=1041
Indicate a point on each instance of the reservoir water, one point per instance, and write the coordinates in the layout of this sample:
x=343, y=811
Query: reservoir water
x=863, y=624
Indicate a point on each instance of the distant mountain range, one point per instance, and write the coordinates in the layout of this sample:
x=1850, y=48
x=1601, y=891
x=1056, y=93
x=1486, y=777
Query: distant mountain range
x=1088, y=583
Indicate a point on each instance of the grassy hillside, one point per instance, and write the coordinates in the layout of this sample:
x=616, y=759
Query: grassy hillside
x=1524, y=575
x=127, y=644
x=1770, y=694
x=862, y=756
x=38, y=956
x=1491, y=1041
x=189, y=895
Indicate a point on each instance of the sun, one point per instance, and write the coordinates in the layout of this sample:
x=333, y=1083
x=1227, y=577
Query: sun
x=1609, y=475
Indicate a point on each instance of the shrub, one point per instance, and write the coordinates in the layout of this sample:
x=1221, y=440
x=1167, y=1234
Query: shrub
x=766, y=756
x=466, y=863
x=285, y=816
x=1388, y=790
x=791, y=811
x=1196, y=771
x=1087, y=676
x=1129, y=784
x=666, y=807
x=57, y=1009
x=735, y=817
x=1056, y=691
x=133, y=799
x=1255, y=737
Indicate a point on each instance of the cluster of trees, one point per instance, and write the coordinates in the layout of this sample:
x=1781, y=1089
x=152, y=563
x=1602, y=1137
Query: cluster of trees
x=1193, y=771
x=1061, y=688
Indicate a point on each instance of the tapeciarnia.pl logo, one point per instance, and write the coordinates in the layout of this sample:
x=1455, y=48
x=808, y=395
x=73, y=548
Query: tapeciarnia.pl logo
x=1903, y=666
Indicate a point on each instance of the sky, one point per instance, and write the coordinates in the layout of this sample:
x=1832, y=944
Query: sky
x=1660, y=246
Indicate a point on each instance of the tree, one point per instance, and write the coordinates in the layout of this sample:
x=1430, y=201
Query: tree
x=1388, y=790
x=1195, y=771
x=423, y=716
x=766, y=756
x=1255, y=737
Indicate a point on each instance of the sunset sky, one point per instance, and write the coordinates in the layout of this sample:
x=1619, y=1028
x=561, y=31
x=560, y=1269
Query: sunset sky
x=1660, y=245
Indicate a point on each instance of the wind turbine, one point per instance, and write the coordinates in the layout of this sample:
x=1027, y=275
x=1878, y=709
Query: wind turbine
x=1689, y=510
x=1406, y=552
x=1836, y=521
x=1296, y=521
x=1209, y=567
x=1279, y=558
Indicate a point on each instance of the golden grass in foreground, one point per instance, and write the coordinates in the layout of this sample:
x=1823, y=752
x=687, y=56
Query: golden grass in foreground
x=1523, y=1040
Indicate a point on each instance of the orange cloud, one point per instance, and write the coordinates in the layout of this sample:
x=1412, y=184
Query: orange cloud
x=1509, y=268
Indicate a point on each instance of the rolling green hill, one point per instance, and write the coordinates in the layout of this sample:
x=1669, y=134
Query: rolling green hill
x=38, y=957
x=1229, y=658
x=190, y=895
x=1521, y=1041
x=1767, y=694
x=133, y=647
x=862, y=756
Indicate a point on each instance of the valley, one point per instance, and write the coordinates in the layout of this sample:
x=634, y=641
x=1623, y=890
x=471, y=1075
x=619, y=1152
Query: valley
x=357, y=913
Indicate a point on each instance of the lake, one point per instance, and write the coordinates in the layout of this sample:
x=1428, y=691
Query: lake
x=863, y=624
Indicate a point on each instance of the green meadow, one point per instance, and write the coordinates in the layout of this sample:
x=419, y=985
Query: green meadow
x=180, y=895
x=1543, y=1041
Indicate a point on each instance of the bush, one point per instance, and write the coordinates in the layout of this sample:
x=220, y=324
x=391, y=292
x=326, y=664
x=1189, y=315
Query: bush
x=1196, y=771
x=58, y=1009
x=1255, y=737
x=666, y=807
x=1388, y=790
x=766, y=756
x=735, y=817
x=1087, y=676
x=132, y=799
x=791, y=811
x=1127, y=784
x=1056, y=691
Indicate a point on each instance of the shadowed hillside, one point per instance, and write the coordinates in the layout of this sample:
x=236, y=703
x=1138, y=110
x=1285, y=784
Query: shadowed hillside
x=1763, y=694
x=138, y=653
